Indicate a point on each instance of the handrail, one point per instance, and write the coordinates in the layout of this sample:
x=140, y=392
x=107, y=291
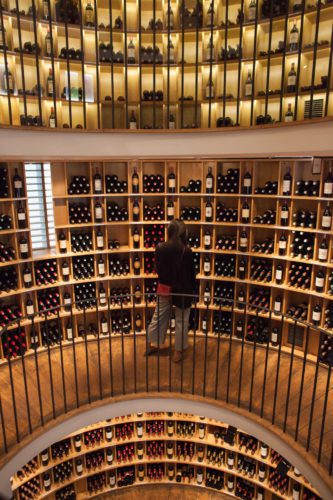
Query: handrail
x=289, y=387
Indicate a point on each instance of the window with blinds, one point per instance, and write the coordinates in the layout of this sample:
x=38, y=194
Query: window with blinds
x=39, y=192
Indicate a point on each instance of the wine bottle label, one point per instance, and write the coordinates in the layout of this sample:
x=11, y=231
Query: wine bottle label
x=230, y=462
x=278, y=274
x=62, y=244
x=172, y=183
x=288, y=118
x=230, y=484
x=207, y=267
x=209, y=183
x=45, y=457
x=328, y=188
x=264, y=449
x=101, y=268
x=260, y=496
x=65, y=271
x=137, y=264
x=18, y=184
x=24, y=248
x=30, y=309
x=77, y=443
x=282, y=244
x=132, y=126
x=108, y=435
x=326, y=221
x=292, y=80
x=89, y=15
x=21, y=216
x=286, y=186
x=27, y=278
x=295, y=495
x=140, y=431
x=209, y=212
x=136, y=238
x=284, y=214
x=98, y=212
x=47, y=482
x=247, y=182
x=131, y=52
x=112, y=480
x=79, y=468
x=243, y=242
x=50, y=86
x=170, y=211
x=135, y=181
x=277, y=306
x=67, y=301
x=104, y=327
x=252, y=13
x=204, y=325
x=69, y=332
x=322, y=254
x=98, y=184
x=274, y=337
x=239, y=328
x=316, y=316
x=245, y=213
x=320, y=282
x=294, y=37
x=248, y=89
x=100, y=242
x=46, y=10
x=48, y=47
x=52, y=123
x=261, y=474
x=199, y=478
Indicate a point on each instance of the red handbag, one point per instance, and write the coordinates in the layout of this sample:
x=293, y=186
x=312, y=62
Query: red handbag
x=164, y=290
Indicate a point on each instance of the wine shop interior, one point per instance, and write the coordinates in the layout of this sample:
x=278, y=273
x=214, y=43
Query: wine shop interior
x=166, y=249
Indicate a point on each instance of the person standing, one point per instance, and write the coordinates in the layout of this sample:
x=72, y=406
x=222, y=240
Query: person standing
x=176, y=286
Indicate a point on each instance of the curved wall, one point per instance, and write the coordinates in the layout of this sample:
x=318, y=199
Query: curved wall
x=159, y=404
x=304, y=139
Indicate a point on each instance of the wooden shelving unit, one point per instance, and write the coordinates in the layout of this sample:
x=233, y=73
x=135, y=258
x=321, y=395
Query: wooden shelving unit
x=212, y=434
x=106, y=92
x=261, y=172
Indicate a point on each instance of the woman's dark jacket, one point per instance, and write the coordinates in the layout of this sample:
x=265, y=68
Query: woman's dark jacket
x=175, y=267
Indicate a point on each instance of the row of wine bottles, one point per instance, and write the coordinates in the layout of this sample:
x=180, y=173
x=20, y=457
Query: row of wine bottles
x=227, y=183
x=80, y=213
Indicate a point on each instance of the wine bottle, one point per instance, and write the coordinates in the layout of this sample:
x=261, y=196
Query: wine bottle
x=24, y=249
x=247, y=183
x=207, y=240
x=291, y=81
x=132, y=122
x=131, y=52
x=316, y=315
x=98, y=184
x=289, y=116
x=18, y=185
x=209, y=181
x=243, y=241
x=319, y=281
x=248, y=85
x=29, y=307
x=171, y=182
x=284, y=218
x=99, y=240
x=65, y=271
x=62, y=242
x=252, y=11
x=98, y=212
x=136, y=265
x=245, y=213
x=286, y=183
x=282, y=246
x=293, y=38
x=323, y=251
x=27, y=277
x=136, y=238
x=328, y=185
x=209, y=211
x=326, y=220
x=170, y=210
x=135, y=181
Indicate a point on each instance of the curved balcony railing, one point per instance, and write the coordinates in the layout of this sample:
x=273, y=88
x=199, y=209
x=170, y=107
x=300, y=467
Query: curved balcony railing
x=289, y=388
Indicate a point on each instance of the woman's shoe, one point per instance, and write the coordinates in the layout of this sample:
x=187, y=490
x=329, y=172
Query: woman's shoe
x=177, y=356
x=152, y=349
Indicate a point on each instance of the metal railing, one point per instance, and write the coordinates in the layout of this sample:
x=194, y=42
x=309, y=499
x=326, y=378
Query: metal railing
x=284, y=382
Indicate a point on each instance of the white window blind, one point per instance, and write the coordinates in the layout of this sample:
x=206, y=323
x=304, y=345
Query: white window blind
x=39, y=192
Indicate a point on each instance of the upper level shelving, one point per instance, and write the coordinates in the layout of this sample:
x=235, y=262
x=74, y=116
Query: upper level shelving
x=163, y=64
